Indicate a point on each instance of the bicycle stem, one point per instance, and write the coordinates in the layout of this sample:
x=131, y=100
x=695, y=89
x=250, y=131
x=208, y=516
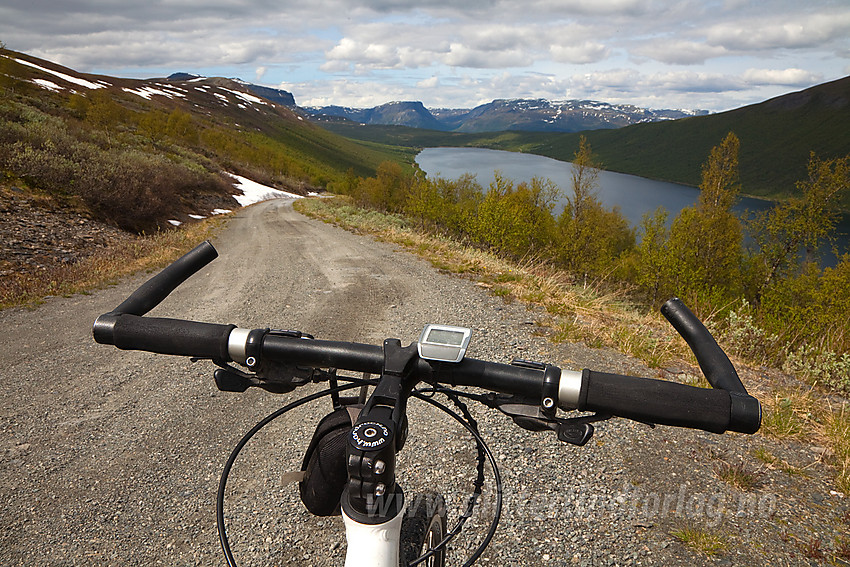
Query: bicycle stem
x=372, y=495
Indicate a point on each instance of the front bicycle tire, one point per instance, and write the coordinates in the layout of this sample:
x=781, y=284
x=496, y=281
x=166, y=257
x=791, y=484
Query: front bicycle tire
x=422, y=529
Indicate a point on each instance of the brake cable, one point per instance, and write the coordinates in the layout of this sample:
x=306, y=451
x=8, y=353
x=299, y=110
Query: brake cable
x=467, y=420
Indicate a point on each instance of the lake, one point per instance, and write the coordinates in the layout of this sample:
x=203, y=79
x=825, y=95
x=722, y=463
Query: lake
x=634, y=195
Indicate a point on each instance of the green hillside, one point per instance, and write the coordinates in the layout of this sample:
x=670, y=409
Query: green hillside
x=776, y=136
x=135, y=153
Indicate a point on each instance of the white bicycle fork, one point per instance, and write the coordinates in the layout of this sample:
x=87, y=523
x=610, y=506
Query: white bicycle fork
x=372, y=545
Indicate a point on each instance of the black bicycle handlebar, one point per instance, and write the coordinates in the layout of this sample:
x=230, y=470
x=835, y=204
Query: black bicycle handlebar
x=727, y=407
x=670, y=403
x=163, y=336
x=713, y=362
x=152, y=292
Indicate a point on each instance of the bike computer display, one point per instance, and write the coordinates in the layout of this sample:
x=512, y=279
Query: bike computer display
x=444, y=343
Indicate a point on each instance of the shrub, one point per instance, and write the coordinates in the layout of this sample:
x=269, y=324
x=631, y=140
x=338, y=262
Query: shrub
x=812, y=308
x=593, y=243
x=43, y=167
x=744, y=338
x=517, y=219
x=824, y=368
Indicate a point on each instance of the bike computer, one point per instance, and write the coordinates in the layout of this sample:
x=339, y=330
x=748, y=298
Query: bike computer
x=444, y=343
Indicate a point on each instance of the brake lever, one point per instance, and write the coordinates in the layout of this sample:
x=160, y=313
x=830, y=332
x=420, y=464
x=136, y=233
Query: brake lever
x=276, y=378
x=574, y=430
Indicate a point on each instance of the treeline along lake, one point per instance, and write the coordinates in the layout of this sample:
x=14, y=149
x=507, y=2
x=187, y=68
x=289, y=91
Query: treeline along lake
x=635, y=196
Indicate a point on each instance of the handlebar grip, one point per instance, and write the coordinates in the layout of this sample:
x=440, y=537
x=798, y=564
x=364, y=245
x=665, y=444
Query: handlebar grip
x=152, y=292
x=669, y=403
x=164, y=336
x=715, y=365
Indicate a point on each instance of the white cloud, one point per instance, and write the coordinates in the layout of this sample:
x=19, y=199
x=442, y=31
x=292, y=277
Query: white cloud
x=480, y=49
x=461, y=55
x=784, y=77
x=780, y=31
x=679, y=51
x=587, y=52
x=337, y=66
x=350, y=52
x=429, y=83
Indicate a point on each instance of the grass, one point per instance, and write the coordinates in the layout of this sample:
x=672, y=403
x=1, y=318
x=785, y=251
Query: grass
x=788, y=414
x=105, y=266
x=701, y=541
x=801, y=415
x=837, y=432
x=737, y=474
x=774, y=462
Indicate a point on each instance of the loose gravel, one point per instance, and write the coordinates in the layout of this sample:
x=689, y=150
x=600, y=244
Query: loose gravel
x=112, y=457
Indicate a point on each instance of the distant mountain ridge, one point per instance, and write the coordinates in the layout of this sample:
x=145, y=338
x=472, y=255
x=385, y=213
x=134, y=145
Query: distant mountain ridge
x=531, y=115
x=411, y=114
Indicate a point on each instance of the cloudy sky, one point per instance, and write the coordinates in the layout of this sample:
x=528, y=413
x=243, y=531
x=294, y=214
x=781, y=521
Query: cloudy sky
x=706, y=54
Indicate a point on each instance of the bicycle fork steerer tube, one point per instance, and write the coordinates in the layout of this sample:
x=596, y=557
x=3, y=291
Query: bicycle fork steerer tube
x=372, y=502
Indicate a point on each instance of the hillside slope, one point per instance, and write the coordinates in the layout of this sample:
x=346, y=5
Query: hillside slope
x=133, y=153
x=777, y=137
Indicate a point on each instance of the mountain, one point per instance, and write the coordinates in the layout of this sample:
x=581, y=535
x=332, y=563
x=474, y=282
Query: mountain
x=411, y=114
x=531, y=115
x=536, y=115
x=540, y=115
x=777, y=137
x=277, y=96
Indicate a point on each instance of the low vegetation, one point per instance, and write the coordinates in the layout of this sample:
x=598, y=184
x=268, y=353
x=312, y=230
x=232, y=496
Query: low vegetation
x=701, y=540
x=597, y=285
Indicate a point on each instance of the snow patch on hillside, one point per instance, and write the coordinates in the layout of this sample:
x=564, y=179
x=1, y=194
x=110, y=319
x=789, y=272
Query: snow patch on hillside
x=63, y=76
x=49, y=85
x=253, y=192
x=148, y=92
x=245, y=96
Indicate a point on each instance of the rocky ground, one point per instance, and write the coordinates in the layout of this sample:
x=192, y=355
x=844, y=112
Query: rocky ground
x=36, y=235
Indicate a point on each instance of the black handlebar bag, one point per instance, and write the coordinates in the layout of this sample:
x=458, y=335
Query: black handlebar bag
x=325, y=473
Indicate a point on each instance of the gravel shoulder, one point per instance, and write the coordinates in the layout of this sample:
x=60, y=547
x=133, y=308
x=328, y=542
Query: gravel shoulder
x=112, y=458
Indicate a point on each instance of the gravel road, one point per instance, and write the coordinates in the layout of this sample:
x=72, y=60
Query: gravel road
x=112, y=458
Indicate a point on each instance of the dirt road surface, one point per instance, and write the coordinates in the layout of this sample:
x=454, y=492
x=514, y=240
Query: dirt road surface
x=112, y=458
